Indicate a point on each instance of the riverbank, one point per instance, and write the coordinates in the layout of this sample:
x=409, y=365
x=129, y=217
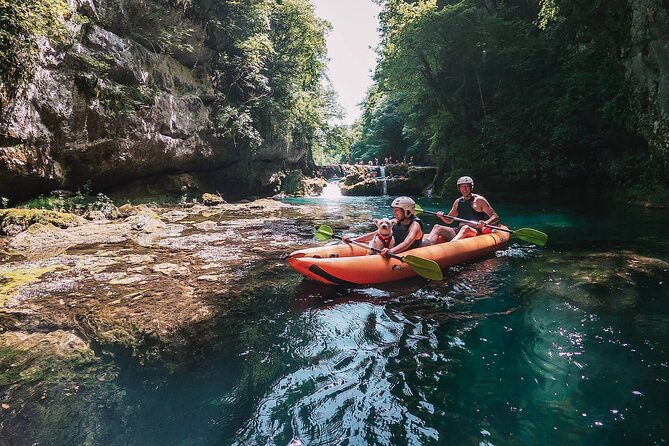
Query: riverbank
x=142, y=283
x=85, y=298
x=150, y=286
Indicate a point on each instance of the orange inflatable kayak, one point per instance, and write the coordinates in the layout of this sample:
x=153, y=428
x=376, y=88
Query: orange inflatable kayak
x=345, y=264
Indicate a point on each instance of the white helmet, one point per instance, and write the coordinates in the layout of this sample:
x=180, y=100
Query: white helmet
x=405, y=203
x=465, y=180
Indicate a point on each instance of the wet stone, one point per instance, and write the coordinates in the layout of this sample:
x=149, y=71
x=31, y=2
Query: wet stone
x=142, y=282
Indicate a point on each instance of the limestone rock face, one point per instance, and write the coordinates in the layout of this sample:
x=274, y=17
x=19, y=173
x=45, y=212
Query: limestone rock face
x=120, y=102
x=647, y=64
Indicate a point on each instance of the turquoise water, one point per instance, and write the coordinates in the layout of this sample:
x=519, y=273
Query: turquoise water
x=567, y=344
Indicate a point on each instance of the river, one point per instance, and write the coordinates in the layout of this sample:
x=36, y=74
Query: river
x=563, y=344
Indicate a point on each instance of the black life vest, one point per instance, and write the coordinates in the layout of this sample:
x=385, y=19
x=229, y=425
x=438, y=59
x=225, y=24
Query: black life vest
x=466, y=211
x=400, y=232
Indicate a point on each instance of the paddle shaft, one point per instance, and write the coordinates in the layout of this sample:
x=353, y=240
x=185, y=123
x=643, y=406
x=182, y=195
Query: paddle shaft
x=462, y=220
x=353, y=242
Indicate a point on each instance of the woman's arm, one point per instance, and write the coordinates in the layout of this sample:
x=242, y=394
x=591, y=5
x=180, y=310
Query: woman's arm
x=414, y=230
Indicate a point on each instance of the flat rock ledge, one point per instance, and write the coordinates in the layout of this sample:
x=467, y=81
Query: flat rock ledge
x=153, y=284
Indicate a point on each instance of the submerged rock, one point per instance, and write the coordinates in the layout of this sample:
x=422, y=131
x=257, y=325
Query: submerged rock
x=52, y=374
x=584, y=277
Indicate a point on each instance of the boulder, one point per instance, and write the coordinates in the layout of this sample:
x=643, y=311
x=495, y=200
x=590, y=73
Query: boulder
x=14, y=220
x=365, y=187
x=212, y=200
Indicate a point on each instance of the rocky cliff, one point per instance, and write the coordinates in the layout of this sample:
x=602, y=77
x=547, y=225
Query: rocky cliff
x=647, y=63
x=128, y=94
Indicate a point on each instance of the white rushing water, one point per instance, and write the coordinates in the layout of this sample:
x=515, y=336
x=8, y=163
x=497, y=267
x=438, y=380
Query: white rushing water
x=383, y=179
x=331, y=190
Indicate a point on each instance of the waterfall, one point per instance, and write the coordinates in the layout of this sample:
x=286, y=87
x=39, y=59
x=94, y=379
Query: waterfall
x=384, y=181
x=331, y=190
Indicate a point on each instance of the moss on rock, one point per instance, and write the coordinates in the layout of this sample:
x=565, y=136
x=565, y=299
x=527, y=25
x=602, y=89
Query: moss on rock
x=15, y=219
x=365, y=187
x=10, y=281
x=295, y=183
x=23, y=23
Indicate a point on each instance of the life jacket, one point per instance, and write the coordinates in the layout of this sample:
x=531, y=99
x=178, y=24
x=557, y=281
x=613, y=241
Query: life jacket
x=466, y=211
x=400, y=233
x=385, y=239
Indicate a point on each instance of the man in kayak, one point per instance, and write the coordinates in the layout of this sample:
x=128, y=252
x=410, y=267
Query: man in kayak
x=471, y=207
x=407, y=231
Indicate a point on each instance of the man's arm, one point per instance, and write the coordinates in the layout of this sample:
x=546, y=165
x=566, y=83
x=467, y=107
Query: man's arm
x=489, y=211
x=453, y=213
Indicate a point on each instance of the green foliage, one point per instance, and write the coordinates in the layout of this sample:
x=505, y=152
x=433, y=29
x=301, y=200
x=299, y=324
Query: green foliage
x=334, y=145
x=78, y=204
x=382, y=132
x=22, y=23
x=100, y=63
x=527, y=93
x=121, y=99
x=295, y=69
x=548, y=12
x=270, y=59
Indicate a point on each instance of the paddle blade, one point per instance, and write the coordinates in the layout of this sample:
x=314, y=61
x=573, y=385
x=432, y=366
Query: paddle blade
x=531, y=235
x=419, y=210
x=424, y=267
x=323, y=233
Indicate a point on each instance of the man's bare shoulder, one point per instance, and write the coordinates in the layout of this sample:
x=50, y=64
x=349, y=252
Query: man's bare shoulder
x=480, y=199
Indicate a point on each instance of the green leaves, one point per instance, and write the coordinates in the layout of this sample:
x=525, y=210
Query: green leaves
x=540, y=90
x=21, y=24
x=269, y=64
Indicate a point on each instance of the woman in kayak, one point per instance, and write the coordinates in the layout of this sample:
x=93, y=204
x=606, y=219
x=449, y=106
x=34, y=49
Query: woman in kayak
x=407, y=230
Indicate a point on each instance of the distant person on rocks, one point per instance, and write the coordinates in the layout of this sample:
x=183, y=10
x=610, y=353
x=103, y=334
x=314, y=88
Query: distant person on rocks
x=411, y=161
x=370, y=163
x=407, y=231
x=404, y=160
x=385, y=161
x=348, y=159
x=376, y=161
x=390, y=159
x=471, y=207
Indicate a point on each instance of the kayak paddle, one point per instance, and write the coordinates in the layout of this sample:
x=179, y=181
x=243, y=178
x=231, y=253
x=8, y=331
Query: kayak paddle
x=423, y=267
x=527, y=234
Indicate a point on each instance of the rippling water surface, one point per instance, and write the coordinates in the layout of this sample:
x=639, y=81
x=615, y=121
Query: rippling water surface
x=567, y=344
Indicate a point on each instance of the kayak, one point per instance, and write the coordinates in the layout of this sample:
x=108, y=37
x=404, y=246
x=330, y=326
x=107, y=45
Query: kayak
x=345, y=264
